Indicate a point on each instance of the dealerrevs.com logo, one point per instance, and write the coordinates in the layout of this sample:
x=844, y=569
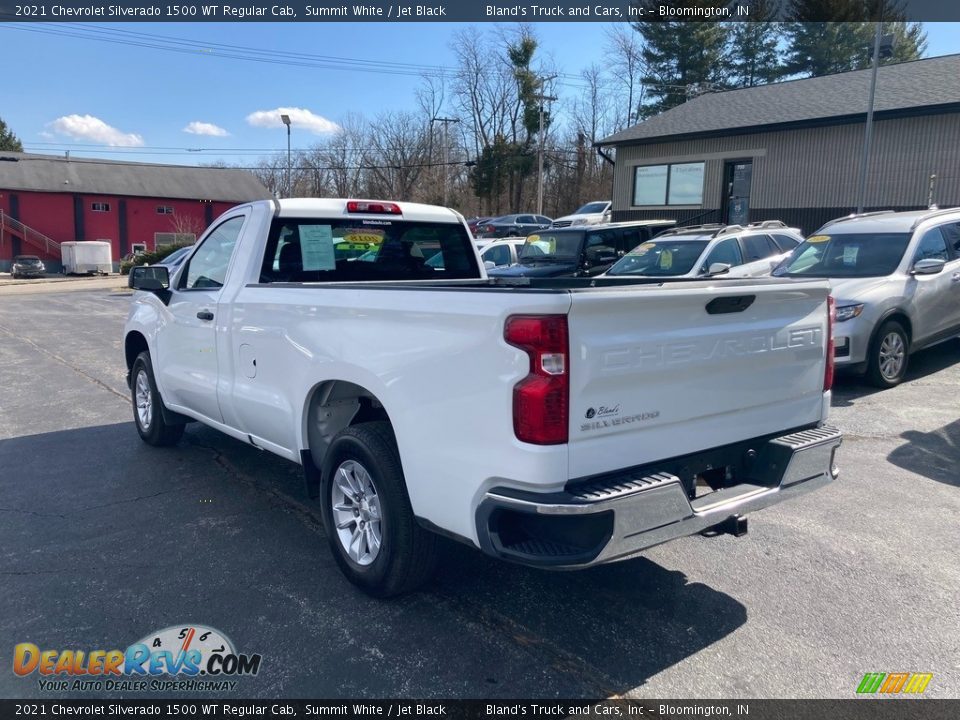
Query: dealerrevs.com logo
x=178, y=658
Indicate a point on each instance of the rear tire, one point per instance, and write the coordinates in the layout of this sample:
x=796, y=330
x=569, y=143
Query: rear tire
x=373, y=534
x=148, y=406
x=889, y=355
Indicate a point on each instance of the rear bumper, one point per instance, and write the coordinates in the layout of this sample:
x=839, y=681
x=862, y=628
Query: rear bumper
x=616, y=515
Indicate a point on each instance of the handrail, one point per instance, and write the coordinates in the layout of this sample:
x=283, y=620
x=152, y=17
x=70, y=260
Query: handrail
x=29, y=235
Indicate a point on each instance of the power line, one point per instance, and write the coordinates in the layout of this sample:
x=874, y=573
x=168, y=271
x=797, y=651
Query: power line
x=240, y=52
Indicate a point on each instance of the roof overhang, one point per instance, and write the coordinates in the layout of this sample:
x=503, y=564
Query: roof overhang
x=919, y=111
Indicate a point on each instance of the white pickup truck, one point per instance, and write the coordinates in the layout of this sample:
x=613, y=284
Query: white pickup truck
x=556, y=423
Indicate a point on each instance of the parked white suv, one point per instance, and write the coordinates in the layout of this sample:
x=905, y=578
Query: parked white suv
x=706, y=250
x=593, y=213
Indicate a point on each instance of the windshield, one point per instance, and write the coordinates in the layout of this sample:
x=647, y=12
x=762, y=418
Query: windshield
x=591, y=208
x=547, y=247
x=27, y=260
x=846, y=255
x=663, y=258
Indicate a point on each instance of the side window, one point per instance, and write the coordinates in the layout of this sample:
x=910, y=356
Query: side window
x=208, y=266
x=600, y=248
x=757, y=247
x=785, y=242
x=629, y=239
x=525, y=220
x=726, y=252
x=951, y=233
x=543, y=220
x=932, y=246
x=498, y=255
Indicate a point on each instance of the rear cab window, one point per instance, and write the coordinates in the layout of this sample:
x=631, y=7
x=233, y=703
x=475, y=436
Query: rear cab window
x=354, y=250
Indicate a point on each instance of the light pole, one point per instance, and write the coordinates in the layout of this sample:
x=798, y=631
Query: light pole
x=446, y=148
x=540, y=146
x=286, y=121
x=881, y=46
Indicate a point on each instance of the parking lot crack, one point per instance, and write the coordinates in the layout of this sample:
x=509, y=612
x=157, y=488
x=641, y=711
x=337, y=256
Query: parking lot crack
x=66, y=362
x=31, y=512
x=126, y=501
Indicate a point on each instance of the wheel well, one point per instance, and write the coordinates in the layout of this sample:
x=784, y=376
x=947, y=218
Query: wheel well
x=898, y=316
x=333, y=406
x=134, y=344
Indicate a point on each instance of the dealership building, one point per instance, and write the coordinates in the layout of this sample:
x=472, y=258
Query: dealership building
x=792, y=151
x=47, y=200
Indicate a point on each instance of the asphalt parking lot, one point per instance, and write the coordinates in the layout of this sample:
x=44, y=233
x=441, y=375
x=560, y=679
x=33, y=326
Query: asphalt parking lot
x=104, y=539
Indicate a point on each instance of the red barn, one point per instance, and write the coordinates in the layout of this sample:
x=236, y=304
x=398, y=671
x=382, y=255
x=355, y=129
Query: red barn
x=47, y=200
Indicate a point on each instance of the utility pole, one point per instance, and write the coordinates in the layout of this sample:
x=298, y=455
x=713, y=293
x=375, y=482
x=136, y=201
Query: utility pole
x=540, y=145
x=286, y=121
x=446, y=151
x=882, y=47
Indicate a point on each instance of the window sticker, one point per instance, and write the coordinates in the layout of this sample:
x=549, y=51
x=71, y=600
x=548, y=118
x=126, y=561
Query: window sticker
x=643, y=249
x=850, y=254
x=818, y=239
x=360, y=239
x=316, y=246
x=666, y=259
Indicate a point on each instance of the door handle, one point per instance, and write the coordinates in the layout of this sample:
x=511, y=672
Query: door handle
x=955, y=278
x=205, y=315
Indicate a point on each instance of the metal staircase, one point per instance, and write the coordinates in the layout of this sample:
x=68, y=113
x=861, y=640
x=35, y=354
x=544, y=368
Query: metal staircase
x=30, y=236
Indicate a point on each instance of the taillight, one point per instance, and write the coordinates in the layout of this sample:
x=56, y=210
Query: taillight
x=541, y=400
x=375, y=208
x=831, y=362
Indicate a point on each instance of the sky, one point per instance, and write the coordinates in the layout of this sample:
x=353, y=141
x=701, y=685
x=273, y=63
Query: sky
x=124, y=91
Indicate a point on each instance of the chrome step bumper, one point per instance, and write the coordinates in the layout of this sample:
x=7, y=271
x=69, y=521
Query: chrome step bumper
x=616, y=515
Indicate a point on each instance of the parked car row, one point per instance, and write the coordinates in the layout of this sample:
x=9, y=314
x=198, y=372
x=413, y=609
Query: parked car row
x=895, y=275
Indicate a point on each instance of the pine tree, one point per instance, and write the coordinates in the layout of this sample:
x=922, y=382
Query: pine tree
x=843, y=42
x=9, y=141
x=754, y=54
x=680, y=56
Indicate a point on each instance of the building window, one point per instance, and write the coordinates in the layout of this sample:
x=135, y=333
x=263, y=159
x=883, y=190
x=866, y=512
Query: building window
x=168, y=238
x=164, y=210
x=679, y=184
x=100, y=207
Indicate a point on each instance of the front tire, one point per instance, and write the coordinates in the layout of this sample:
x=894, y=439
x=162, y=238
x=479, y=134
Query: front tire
x=148, y=406
x=366, y=511
x=889, y=354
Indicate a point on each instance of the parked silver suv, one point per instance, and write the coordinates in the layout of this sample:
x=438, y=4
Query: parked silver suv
x=896, y=280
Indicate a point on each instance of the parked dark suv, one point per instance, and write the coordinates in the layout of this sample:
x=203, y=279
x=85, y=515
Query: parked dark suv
x=27, y=266
x=579, y=251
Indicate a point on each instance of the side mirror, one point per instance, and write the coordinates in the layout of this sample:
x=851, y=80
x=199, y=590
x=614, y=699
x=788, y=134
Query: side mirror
x=150, y=278
x=718, y=268
x=929, y=266
x=489, y=264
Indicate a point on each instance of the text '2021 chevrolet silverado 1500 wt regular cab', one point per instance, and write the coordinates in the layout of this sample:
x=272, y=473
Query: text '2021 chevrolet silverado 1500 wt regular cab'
x=556, y=423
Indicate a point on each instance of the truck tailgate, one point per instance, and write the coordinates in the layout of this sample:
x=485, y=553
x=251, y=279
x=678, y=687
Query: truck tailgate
x=658, y=372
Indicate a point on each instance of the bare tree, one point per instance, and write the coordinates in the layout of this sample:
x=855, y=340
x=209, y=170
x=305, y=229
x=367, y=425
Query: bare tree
x=186, y=227
x=345, y=155
x=625, y=48
x=398, y=155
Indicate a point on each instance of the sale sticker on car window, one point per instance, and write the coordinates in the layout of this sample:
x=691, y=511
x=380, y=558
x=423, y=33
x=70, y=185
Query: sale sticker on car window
x=818, y=238
x=850, y=254
x=316, y=247
x=666, y=259
x=643, y=249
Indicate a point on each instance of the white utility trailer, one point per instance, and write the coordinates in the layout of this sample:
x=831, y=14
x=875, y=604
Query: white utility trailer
x=86, y=257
